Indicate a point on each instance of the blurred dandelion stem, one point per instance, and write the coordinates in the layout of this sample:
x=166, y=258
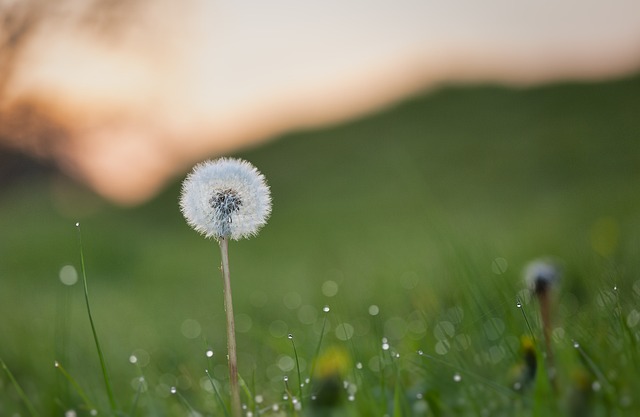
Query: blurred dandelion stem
x=545, y=313
x=231, y=329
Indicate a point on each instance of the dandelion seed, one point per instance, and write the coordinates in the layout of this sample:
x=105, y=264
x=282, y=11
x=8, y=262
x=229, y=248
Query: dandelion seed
x=226, y=198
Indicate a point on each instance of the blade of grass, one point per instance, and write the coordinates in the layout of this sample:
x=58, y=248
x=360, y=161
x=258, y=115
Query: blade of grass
x=107, y=382
x=295, y=353
x=19, y=389
x=184, y=402
x=215, y=389
x=75, y=385
x=317, y=353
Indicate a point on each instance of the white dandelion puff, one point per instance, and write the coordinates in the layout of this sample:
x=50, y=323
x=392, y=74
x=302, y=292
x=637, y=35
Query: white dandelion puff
x=226, y=198
x=542, y=274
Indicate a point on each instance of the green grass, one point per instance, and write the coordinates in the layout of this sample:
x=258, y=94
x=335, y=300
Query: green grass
x=406, y=210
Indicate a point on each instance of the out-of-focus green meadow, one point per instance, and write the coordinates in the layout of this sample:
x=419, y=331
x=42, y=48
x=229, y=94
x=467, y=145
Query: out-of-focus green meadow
x=428, y=211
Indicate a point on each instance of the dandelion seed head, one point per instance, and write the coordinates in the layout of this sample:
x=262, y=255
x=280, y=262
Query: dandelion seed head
x=541, y=274
x=225, y=198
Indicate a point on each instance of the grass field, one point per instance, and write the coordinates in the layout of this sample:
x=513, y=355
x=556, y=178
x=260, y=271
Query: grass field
x=412, y=225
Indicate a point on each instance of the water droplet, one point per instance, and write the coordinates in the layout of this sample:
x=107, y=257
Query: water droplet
x=385, y=345
x=352, y=397
x=286, y=378
x=313, y=398
x=173, y=390
x=596, y=386
x=93, y=412
x=519, y=304
x=209, y=353
x=420, y=352
x=259, y=399
x=374, y=310
x=576, y=344
x=517, y=386
x=275, y=407
x=285, y=397
x=397, y=355
x=133, y=359
x=77, y=224
x=419, y=396
x=70, y=413
x=306, y=381
x=457, y=377
x=249, y=414
x=290, y=337
x=56, y=364
x=359, y=365
x=615, y=288
x=326, y=309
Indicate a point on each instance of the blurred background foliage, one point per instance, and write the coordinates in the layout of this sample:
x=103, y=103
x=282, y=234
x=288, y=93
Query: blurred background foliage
x=428, y=207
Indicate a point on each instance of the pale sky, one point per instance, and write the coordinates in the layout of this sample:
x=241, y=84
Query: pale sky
x=143, y=92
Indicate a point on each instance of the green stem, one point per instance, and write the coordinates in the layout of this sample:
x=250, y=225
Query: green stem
x=103, y=365
x=231, y=331
x=75, y=385
x=18, y=388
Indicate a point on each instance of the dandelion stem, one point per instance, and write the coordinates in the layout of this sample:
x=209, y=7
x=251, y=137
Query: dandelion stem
x=231, y=331
x=545, y=307
x=103, y=365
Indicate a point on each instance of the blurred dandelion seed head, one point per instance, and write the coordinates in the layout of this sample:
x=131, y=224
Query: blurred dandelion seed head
x=542, y=274
x=226, y=198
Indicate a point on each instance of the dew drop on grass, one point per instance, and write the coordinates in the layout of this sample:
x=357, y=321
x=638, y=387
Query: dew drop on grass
x=457, y=377
x=313, y=398
x=275, y=407
x=285, y=397
x=352, y=397
x=70, y=413
x=286, y=378
x=68, y=275
x=93, y=412
x=385, y=344
x=307, y=380
x=77, y=224
x=359, y=365
x=576, y=344
x=56, y=364
x=173, y=390
x=259, y=399
x=595, y=386
x=209, y=353
x=519, y=304
x=290, y=336
x=133, y=359
x=420, y=352
x=326, y=309
x=374, y=310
